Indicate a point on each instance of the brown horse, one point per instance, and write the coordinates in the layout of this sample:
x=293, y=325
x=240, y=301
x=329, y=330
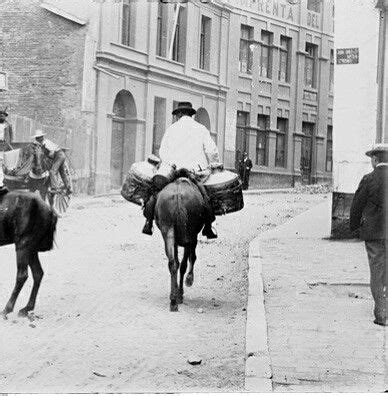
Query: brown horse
x=28, y=223
x=180, y=214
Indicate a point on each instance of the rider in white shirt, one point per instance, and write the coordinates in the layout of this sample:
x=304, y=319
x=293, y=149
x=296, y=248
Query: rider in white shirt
x=186, y=144
x=55, y=153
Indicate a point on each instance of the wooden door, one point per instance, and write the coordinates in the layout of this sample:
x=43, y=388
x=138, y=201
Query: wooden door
x=307, y=152
x=117, y=154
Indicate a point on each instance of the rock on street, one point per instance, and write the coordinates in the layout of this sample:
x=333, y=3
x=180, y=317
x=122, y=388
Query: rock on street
x=102, y=320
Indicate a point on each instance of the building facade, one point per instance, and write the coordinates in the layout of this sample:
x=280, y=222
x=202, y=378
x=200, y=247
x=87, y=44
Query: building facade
x=358, y=98
x=259, y=73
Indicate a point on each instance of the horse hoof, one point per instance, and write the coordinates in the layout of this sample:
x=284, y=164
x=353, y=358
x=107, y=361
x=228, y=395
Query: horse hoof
x=23, y=313
x=189, y=280
x=4, y=315
x=174, y=308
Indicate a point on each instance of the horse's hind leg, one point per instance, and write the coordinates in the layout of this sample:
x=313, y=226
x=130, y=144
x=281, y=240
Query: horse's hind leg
x=37, y=274
x=173, y=265
x=192, y=258
x=22, y=259
x=182, y=271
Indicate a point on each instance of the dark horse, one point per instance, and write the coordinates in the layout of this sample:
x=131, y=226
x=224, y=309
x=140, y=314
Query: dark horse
x=29, y=223
x=180, y=216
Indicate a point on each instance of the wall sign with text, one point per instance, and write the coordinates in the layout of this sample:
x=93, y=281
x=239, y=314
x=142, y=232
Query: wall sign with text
x=347, y=56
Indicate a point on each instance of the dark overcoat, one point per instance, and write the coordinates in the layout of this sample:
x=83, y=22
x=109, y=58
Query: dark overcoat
x=369, y=207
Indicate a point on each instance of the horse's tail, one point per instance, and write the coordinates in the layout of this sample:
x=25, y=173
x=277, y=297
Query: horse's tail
x=181, y=223
x=47, y=241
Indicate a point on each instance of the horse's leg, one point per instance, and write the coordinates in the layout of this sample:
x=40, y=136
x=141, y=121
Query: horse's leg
x=37, y=274
x=169, y=241
x=182, y=271
x=192, y=258
x=22, y=260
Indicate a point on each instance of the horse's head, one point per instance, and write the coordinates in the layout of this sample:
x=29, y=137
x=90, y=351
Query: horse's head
x=39, y=164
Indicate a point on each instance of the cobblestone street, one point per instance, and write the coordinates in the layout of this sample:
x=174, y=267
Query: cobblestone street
x=102, y=322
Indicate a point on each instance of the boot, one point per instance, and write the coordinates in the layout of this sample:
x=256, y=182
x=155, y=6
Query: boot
x=147, y=229
x=208, y=231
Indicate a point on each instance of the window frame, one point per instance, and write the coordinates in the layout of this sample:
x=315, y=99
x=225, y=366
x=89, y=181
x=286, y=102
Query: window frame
x=287, y=52
x=329, y=149
x=281, y=133
x=262, y=132
x=266, y=45
x=246, y=42
x=331, y=72
x=204, y=43
x=310, y=58
x=314, y=6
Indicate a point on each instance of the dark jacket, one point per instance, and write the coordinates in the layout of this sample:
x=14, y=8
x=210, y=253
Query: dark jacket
x=369, y=206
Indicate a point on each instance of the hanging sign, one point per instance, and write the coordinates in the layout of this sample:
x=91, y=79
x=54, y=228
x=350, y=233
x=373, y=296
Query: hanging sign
x=347, y=56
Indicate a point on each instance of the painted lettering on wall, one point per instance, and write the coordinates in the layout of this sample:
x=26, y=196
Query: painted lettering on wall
x=346, y=56
x=313, y=19
x=275, y=8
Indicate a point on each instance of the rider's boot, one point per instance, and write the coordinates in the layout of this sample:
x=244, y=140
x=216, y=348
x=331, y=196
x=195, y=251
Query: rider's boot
x=208, y=231
x=147, y=229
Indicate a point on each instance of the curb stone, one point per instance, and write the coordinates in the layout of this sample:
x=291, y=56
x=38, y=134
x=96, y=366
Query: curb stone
x=258, y=370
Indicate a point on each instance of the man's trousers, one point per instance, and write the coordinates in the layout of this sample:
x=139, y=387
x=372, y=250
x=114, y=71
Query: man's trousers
x=377, y=257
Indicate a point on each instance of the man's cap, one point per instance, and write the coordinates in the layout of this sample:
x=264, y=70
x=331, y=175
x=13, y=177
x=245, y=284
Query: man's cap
x=377, y=149
x=4, y=112
x=184, y=106
x=38, y=133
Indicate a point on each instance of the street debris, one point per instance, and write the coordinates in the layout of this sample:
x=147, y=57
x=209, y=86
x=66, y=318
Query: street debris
x=194, y=360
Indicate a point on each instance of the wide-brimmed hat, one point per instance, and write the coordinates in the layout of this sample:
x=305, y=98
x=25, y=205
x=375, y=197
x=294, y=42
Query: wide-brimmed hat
x=377, y=149
x=38, y=133
x=184, y=106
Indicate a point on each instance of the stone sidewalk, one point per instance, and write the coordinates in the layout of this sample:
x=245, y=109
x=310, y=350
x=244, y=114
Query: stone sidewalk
x=319, y=309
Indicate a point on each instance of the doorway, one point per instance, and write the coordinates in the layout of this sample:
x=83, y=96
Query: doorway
x=123, y=138
x=307, y=152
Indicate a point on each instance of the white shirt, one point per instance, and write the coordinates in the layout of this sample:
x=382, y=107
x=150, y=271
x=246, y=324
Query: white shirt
x=188, y=144
x=2, y=129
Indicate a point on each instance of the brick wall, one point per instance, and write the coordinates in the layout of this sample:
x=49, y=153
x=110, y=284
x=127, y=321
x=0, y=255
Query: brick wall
x=43, y=55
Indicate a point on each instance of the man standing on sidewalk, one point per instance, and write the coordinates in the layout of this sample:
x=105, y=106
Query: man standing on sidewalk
x=369, y=213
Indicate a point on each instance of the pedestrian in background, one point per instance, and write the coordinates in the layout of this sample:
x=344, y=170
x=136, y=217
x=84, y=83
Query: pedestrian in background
x=245, y=171
x=6, y=138
x=369, y=214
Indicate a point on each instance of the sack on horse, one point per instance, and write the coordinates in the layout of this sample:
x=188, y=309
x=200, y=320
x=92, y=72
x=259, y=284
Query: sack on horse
x=17, y=166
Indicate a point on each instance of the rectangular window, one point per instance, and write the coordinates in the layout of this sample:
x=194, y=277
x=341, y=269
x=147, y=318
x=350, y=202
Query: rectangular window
x=331, y=71
x=159, y=123
x=281, y=138
x=245, y=58
x=265, y=66
x=262, y=140
x=329, y=149
x=310, y=65
x=126, y=23
x=179, y=44
x=284, y=59
x=161, y=40
x=204, y=45
x=314, y=5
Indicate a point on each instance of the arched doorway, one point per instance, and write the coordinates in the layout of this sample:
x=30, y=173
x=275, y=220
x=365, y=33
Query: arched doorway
x=123, y=142
x=203, y=118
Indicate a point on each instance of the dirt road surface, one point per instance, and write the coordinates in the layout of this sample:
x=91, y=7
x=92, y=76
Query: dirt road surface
x=102, y=320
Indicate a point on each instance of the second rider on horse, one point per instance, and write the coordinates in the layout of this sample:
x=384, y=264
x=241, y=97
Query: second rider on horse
x=186, y=144
x=58, y=158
